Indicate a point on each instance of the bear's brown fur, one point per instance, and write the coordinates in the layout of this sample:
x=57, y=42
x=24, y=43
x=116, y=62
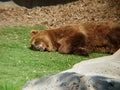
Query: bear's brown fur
x=81, y=39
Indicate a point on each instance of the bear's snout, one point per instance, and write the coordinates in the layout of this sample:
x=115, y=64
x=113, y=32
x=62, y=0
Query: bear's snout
x=36, y=48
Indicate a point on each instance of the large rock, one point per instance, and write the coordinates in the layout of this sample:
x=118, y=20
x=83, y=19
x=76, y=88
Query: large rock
x=95, y=74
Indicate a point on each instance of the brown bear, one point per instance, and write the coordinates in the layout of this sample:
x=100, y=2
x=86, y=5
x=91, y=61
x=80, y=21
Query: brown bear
x=79, y=39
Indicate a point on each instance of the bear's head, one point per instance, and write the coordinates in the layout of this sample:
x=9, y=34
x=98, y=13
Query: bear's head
x=41, y=41
x=37, y=42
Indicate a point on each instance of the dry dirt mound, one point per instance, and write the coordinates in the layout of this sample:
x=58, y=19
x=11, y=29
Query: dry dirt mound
x=52, y=16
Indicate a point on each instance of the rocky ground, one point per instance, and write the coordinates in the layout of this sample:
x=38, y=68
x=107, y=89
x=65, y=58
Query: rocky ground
x=57, y=15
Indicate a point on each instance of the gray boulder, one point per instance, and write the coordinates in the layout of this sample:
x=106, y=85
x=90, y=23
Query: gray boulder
x=96, y=74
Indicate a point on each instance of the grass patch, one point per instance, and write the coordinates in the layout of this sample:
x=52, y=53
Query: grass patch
x=19, y=64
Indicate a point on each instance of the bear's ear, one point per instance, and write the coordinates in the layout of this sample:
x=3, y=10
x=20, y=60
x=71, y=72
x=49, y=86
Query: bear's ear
x=33, y=32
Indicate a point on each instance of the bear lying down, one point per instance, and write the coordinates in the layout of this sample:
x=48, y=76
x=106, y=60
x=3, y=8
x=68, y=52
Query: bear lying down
x=81, y=39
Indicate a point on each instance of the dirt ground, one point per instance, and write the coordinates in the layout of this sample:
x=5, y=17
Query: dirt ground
x=57, y=15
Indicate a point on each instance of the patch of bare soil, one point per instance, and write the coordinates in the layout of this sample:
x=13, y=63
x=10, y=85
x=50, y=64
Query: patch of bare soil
x=57, y=15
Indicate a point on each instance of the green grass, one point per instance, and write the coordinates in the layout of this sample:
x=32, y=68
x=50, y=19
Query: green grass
x=19, y=64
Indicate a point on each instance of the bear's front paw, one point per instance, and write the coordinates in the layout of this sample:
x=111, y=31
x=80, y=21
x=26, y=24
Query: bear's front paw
x=81, y=51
